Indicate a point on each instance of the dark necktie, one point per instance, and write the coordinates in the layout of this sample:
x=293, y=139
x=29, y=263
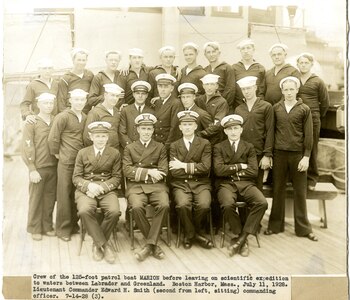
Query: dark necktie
x=234, y=147
x=140, y=111
x=189, y=146
x=98, y=156
x=145, y=144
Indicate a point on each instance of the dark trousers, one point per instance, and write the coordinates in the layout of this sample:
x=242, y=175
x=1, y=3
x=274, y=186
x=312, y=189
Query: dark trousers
x=259, y=179
x=227, y=196
x=312, y=172
x=184, y=203
x=66, y=215
x=160, y=201
x=109, y=204
x=286, y=162
x=42, y=197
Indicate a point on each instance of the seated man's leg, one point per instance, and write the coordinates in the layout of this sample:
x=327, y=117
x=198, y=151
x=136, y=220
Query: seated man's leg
x=137, y=203
x=201, y=206
x=183, y=202
x=257, y=207
x=110, y=207
x=227, y=196
x=160, y=201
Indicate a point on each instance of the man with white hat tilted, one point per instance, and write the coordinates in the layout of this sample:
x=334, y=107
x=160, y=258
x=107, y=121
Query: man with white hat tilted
x=137, y=71
x=65, y=140
x=43, y=84
x=292, y=149
x=145, y=167
x=258, y=126
x=226, y=80
x=42, y=168
x=192, y=72
x=78, y=78
x=272, y=92
x=127, y=129
x=106, y=111
x=167, y=56
x=247, y=66
x=236, y=169
x=97, y=174
x=109, y=75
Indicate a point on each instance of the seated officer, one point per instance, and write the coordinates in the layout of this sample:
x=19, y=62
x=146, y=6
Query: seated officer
x=96, y=176
x=190, y=161
x=145, y=167
x=236, y=168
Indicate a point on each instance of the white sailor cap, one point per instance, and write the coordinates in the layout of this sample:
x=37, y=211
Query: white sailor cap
x=187, y=116
x=45, y=63
x=292, y=78
x=278, y=45
x=113, y=88
x=166, y=48
x=78, y=93
x=145, y=119
x=308, y=55
x=210, y=78
x=141, y=85
x=113, y=52
x=187, y=88
x=245, y=42
x=45, y=97
x=136, y=52
x=191, y=45
x=247, y=81
x=100, y=126
x=78, y=50
x=214, y=45
x=165, y=78
x=231, y=120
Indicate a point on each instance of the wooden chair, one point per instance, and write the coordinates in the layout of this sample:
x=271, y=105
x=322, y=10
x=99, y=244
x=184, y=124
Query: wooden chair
x=99, y=217
x=244, y=210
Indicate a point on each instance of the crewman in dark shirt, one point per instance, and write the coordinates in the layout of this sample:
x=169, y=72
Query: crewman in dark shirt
x=65, y=140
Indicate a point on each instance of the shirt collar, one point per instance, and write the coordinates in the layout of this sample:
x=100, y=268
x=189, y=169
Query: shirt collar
x=137, y=106
x=236, y=143
x=147, y=143
x=97, y=150
x=166, y=99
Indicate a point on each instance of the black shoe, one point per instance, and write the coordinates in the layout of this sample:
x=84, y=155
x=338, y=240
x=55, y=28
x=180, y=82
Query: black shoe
x=65, y=238
x=97, y=253
x=204, y=242
x=109, y=254
x=312, y=237
x=187, y=243
x=146, y=251
x=158, y=253
x=50, y=233
x=269, y=232
x=235, y=248
x=244, y=249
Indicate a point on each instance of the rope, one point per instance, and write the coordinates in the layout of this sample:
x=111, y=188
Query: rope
x=205, y=37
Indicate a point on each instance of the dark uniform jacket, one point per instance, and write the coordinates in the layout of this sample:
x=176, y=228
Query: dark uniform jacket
x=126, y=81
x=227, y=81
x=227, y=166
x=127, y=128
x=97, y=90
x=152, y=80
x=166, y=130
x=34, y=89
x=100, y=113
x=198, y=162
x=137, y=160
x=258, y=126
x=106, y=171
x=66, y=136
x=255, y=69
x=218, y=108
x=194, y=77
x=35, y=149
x=315, y=95
x=69, y=82
x=272, y=91
x=293, y=130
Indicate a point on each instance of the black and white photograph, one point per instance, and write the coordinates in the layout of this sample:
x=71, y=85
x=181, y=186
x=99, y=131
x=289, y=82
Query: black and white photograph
x=154, y=151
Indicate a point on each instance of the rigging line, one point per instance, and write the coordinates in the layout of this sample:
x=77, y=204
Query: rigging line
x=31, y=54
x=202, y=35
x=279, y=40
